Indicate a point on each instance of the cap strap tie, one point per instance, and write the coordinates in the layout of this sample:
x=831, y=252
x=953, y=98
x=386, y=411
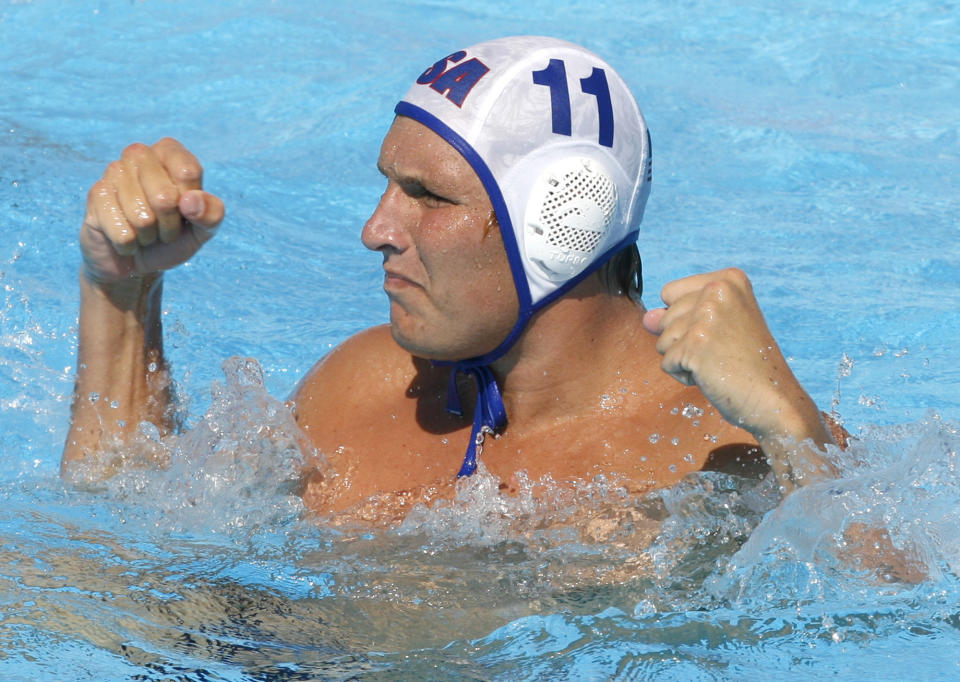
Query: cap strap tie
x=489, y=416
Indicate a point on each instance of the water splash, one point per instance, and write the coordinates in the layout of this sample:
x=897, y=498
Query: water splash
x=886, y=525
x=238, y=468
x=546, y=575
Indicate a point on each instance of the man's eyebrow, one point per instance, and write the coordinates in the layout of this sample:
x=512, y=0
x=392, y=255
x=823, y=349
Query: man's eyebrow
x=399, y=177
x=414, y=185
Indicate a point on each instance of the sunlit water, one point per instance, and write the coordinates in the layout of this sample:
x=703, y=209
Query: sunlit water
x=814, y=146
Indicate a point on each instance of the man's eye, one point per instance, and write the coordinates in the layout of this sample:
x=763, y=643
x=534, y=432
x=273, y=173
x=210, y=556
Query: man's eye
x=432, y=199
x=428, y=197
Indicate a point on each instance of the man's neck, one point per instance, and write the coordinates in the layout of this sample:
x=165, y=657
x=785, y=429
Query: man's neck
x=571, y=354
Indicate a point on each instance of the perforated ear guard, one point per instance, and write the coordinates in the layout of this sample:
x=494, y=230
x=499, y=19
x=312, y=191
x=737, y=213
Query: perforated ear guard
x=569, y=212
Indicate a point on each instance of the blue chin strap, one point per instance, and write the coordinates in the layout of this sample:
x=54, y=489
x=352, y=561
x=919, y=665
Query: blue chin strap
x=489, y=416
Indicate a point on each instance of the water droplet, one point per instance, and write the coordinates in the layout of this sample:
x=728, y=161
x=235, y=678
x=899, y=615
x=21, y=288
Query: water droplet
x=673, y=468
x=846, y=365
x=644, y=608
x=149, y=430
x=606, y=402
x=654, y=437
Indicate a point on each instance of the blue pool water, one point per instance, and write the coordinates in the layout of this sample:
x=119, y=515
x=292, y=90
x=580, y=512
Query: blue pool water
x=814, y=144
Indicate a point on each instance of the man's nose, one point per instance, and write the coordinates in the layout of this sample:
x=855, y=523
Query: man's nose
x=386, y=227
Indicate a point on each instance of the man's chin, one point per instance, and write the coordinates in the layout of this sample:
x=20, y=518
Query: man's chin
x=416, y=346
x=428, y=346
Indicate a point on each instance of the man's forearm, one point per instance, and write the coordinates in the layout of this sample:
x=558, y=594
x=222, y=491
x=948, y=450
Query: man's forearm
x=122, y=378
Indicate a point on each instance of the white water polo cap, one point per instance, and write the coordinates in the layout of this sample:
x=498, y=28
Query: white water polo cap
x=560, y=146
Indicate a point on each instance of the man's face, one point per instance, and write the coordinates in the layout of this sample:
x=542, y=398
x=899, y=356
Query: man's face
x=447, y=276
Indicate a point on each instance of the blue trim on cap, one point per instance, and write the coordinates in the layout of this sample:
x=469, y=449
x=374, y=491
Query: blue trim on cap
x=592, y=268
x=489, y=183
x=503, y=217
x=527, y=308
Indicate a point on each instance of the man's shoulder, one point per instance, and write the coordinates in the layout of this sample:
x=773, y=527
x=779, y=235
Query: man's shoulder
x=368, y=376
x=367, y=361
x=371, y=346
x=367, y=394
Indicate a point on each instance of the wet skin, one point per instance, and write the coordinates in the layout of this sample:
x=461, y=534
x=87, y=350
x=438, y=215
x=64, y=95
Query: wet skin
x=451, y=296
x=595, y=384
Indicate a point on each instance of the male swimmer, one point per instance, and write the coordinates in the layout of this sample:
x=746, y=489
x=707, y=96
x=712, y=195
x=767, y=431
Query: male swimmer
x=517, y=172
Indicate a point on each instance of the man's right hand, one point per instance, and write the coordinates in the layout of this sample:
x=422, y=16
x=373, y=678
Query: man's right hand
x=147, y=213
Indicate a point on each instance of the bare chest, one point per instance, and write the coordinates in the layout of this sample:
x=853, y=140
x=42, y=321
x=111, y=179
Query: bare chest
x=415, y=457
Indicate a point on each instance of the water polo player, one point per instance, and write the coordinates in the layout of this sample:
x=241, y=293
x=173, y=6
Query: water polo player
x=517, y=174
